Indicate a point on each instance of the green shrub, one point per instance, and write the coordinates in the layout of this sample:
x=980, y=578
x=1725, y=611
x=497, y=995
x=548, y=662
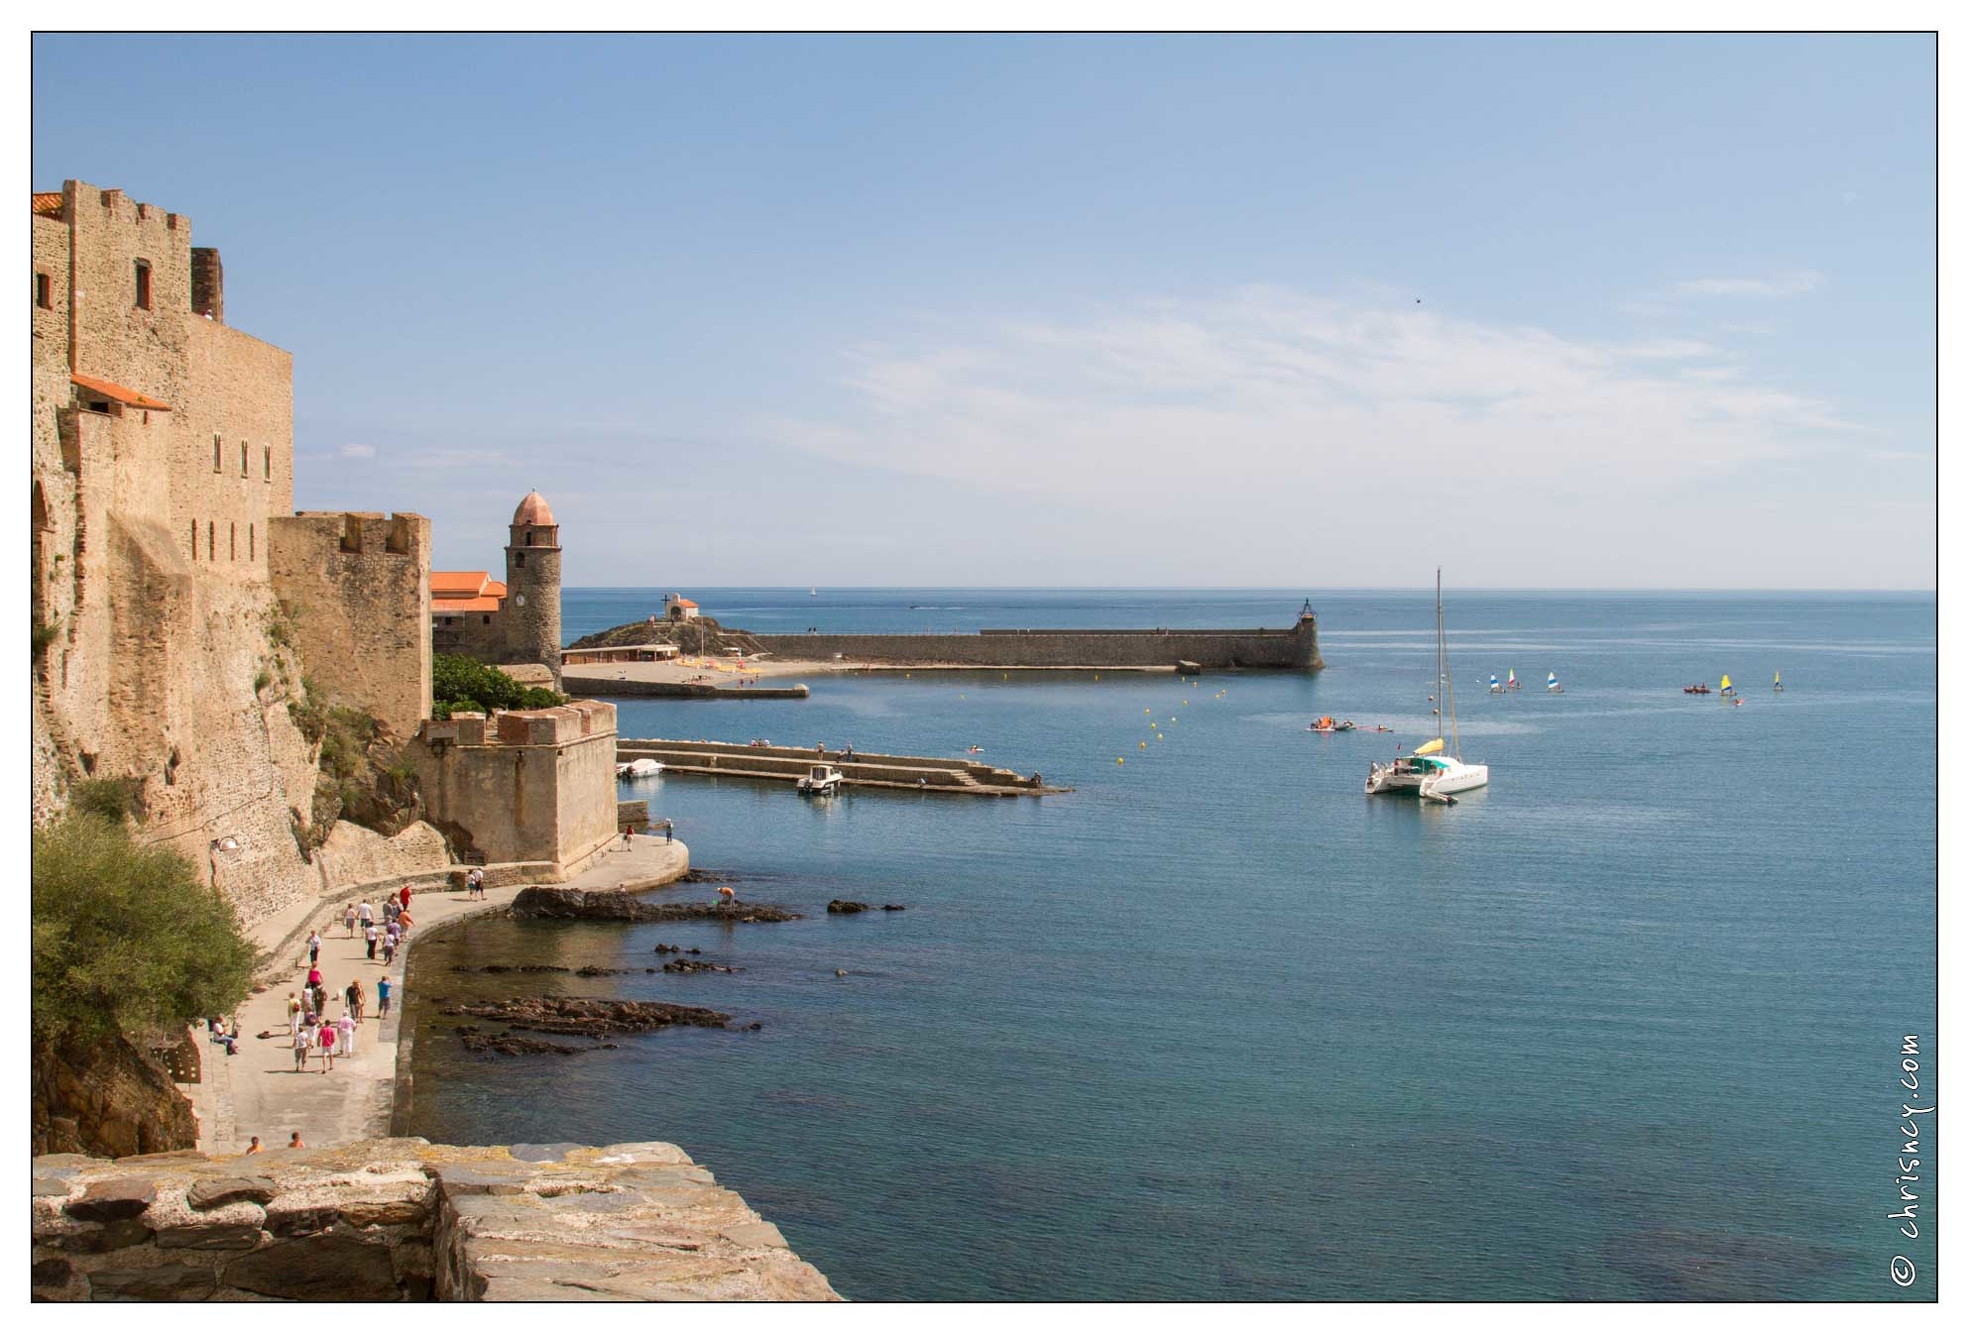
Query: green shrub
x=114, y=800
x=126, y=937
x=460, y=685
x=280, y=629
x=309, y=713
x=261, y=680
x=44, y=635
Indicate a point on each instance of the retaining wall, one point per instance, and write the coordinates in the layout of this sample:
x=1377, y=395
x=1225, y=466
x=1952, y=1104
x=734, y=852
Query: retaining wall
x=405, y=1220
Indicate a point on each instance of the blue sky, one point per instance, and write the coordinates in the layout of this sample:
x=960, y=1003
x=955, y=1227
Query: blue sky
x=1305, y=312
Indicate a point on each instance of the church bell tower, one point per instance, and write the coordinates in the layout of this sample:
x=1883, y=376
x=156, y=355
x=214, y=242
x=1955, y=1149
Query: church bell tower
x=532, y=611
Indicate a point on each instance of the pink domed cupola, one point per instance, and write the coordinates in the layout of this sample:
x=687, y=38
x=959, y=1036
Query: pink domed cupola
x=533, y=523
x=533, y=512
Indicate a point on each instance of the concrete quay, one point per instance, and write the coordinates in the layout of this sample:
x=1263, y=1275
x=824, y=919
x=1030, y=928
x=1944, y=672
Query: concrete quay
x=911, y=773
x=258, y=1091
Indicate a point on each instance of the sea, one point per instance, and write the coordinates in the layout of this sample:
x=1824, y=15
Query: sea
x=1629, y=1023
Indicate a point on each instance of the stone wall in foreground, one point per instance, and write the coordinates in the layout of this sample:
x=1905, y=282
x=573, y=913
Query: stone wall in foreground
x=1296, y=649
x=406, y=1220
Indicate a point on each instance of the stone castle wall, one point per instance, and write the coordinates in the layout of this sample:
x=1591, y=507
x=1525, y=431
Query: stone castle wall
x=534, y=785
x=150, y=563
x=357, y=590
x=1296, y=649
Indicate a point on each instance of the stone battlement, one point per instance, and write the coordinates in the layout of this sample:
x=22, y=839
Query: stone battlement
x=530, y=785
x=574, y=721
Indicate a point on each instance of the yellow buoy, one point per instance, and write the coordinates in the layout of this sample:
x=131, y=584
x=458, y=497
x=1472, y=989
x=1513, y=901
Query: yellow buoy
x=1143, y=744
x=1148, y=710
x=1117, y=759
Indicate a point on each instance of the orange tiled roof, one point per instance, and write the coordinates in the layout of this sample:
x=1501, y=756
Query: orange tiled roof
x=461, y=584
x=685, y=602
x=494, y=589
x=452, y=606
x=47, y=203
x=111, y=389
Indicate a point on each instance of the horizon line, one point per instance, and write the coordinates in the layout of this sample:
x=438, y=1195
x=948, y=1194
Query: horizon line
x=1294, y=590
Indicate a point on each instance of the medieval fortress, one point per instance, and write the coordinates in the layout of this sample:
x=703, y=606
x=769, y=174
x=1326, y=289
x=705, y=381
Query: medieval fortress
x=185, y=615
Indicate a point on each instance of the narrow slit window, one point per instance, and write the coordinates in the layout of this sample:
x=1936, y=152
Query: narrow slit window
x=232, y=541
x=266, y=461
x=44, y=291
x=143, y=284
x=252, y=544
x=211, y=540
x=218, y=446
x=242, y=460
x=194, y=539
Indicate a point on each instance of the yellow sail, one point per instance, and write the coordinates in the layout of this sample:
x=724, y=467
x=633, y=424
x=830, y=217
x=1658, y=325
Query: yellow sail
x=1726, y=682
x=1429, y=747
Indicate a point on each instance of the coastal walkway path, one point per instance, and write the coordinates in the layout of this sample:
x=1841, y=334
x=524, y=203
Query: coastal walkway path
x=259, y=1092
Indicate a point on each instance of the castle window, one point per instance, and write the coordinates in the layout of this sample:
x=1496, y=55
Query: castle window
x=519, y=558
x=143, y=284
x=252, y=544
x=232, y=541
x=485, y=620
x=266, y=461
x=44, y=296
x=242, y=460
x=218, y=464
x=211, y=540
x=529, y=539
x=194, y=539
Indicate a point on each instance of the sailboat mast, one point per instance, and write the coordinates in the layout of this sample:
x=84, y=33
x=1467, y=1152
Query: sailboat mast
x=1442, y=668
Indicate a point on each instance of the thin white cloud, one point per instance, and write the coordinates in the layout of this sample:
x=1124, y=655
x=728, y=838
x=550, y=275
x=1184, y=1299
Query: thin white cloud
x=1796, y=283
x=357, y=451
x=1273, y=390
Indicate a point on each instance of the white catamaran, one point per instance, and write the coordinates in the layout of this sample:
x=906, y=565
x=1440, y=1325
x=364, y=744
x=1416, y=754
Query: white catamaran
x=1427, y=772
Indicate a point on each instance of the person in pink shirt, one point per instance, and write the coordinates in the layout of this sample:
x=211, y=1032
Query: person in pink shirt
x=327, y=1041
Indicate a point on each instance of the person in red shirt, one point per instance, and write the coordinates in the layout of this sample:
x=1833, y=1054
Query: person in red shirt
x=404, y=897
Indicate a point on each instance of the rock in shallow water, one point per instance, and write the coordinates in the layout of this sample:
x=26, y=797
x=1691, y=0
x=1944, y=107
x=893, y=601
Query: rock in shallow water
x=538, y=902
x=845, y=906
x=580, y=1016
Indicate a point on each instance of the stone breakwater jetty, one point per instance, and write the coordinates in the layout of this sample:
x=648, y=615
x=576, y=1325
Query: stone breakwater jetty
x=1294, y=649
x=406, y=1220
x=911, y=773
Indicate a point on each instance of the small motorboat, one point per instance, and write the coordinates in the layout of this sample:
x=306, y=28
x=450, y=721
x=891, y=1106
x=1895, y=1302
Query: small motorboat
x=1702, y=689
x=639, y=769
x=820, y=780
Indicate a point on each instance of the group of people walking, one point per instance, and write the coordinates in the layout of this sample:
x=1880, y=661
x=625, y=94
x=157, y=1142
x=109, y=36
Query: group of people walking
x=384, y=928
x=313, y=1033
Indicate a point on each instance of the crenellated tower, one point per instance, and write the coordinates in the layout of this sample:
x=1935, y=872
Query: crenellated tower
x=532, y=611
